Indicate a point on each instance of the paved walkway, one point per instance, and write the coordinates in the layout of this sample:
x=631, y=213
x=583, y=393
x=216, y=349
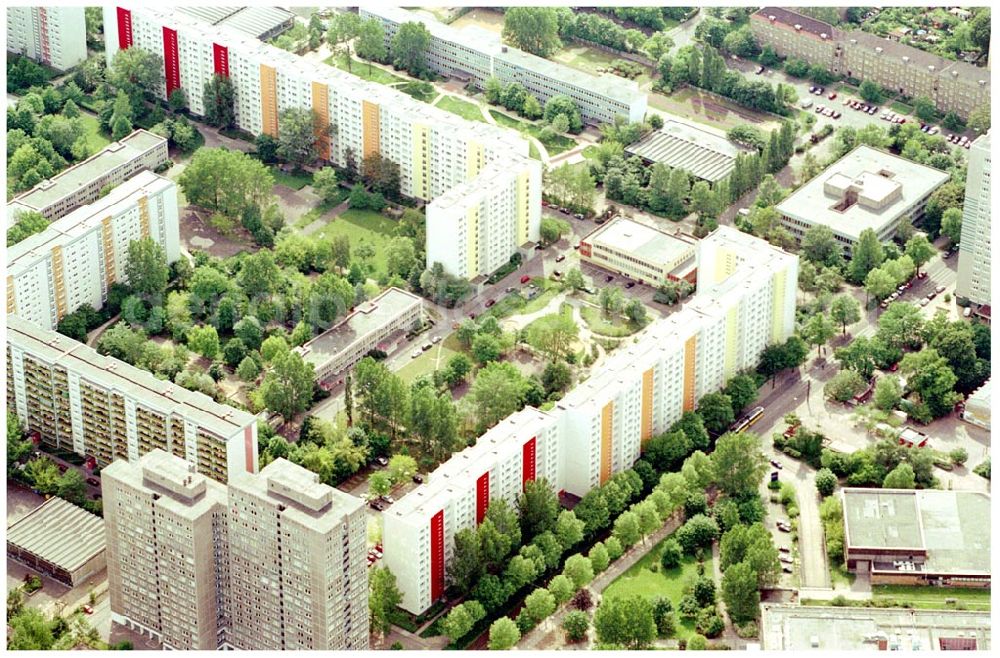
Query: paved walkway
x=812, y=551
x=325, y=218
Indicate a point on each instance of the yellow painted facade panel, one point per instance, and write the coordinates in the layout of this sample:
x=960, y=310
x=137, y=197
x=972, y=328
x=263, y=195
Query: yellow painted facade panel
x=144, y=215
x=269, y=100
x=420, y=173
x=690, y=354
x=777, y=307
x=474, y=159
x=647, y=407
x=725, y=264
x=607, y=431
x=730, y=363
x=321, y=107
x=107, y=241
x=371, y=129
x=11, y=302
x=57, y=275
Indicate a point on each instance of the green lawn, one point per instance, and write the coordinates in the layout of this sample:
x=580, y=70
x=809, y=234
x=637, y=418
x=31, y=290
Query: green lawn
x=592, y=60
x=464, y=109
x=425, y=363
x=589, y=152
x=601, y=325
x=362, y=226
x=640, y=579
x=95, y=140
x=840, y=576
x=533, y=151
x=361, y=69
x=901, y=108
x=549, y=290
x=547, y=320
x=293, y=180
x=554, y=145
x=422, y=91
x=933, y=598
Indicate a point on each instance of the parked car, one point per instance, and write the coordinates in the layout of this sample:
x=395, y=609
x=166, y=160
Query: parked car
x=418, y=479
x=509, y=289
x=787, y=559
x=525, y=278
x=925, y=301
x=387, y=499
x=967, y=312
x=946, y=254
x=784, y=549
x=490, y=302
x=812, y=90
x=560, y=258
x=87, y=610
x=784, y=526
x=578, y=215
x=426, y=346
x=94, y=482
x=539, y=246
x=609, y=279
x=775, y=463
x=382, y=461
x=436, y=340
x=832, y=95
x=836, y=115
x=760, y=69
x=939, y=290
x=786, y=568
x=630, y=284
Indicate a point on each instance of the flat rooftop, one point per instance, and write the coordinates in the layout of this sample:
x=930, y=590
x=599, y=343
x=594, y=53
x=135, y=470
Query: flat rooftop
x=953, y=527
x=60, y=533
x=702, y=153
x=365, y=319
x=257, y=21
x=645, y=242
x=867, y=188
x=610, y=86
x=799, y=21
x=795, y=627
x=110, y=157
x=26, y=253
x=147, y=390
x=174, y=481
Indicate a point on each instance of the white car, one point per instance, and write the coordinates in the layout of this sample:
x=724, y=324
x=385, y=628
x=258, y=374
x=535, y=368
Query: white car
x=416, y=353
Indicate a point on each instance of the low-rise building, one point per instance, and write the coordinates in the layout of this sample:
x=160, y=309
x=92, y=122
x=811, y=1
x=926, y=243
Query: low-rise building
x=702, y=153
x=640, y=252
x=978, y=406
x=83, y=182
x=259, y=22
x=824, y=628
x=60, y=540
x=366, y=328
x=918, y=536
x=866, y=189
x=78, y=257
x=53, y=35
x=75, y=399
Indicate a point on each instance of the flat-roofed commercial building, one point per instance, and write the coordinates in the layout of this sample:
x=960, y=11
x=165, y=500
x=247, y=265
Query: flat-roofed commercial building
x=823, y=628
x=702, y=153
x=60, y=540
x=951, y=85
x=473, y=228
x=978, y=406
x=975, y=257
x=55, y=36
x=166, y=528
x=82, y=183
x=419, y=529
x=640, y=252
x=262, y=23
x=867, y=188
x=745, y=302
x=77, y=258
x=479, y=55
x=337, y=349
x=96, y=406
x=918, y=537
x=297, y=563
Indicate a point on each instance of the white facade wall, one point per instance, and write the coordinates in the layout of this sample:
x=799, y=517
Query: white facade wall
x=975, y=257
x=55, y=36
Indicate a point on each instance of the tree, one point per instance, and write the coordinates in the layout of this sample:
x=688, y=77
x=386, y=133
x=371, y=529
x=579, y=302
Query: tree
x=879, y=284
x=900, y=325
x=888, y=393
x=979, y=119
x=958, y=456
x=534, y=29
x=576, y=624
x=267, y=148
x=626, y=529
x=561, y=105
x=716, y=410
x=402, y=468
x=226, y=181
x=177, y=101
x=924, y=108
x=741, y=390
x=29, y=222
x=579, y=570
x=556, y=376
x=626, y=622
x=697, y=532
x=370, y=42
x=287, y=388
x=932, y=379
x=379, y=484
x=538, y=507
x=920, y=250
x=845, y=310
x=598, y=555
x=951, y=224
x=409, y=48
x=30, y=631
x=204, y=340
x=820, y=246
x=466, y=565
x=901, y=477
x=738, y=463
x=670, y=557
x=71, y=486
x=146, y=268
x=326, y=185
x=137, y=73
x=460, y=619
x=635, y=311
x=871, y=92
x=383, y=597
x=504, y=634
x=561, y=588
x=497, y=392
x=539, y=604
x=826, y=482
x=739, y=591
x=297, y=143
x=818, y=330
x=844, y=386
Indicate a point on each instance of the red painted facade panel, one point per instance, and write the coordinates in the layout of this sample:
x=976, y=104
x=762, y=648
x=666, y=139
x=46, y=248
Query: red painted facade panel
x=585, y=249
x=528, y=461
x=171, y=61
x=437, y=555
x=482, y=496
x=124, y=29
x=221, y=55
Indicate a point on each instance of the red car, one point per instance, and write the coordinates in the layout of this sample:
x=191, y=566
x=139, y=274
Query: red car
x=88, y=610
x=525, y=278
x=894, y=367
x=832, y=95
x=490, y=303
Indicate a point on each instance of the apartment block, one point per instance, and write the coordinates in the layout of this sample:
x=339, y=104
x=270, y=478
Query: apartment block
x=419, y=530
x=83, y=182
x=337, y=349
x=166, y=532
x=473, y=228
x=975, y=257
x=745, y=302
x=75, y=399
x=476, y=54
x=297, y=563
x=78, y=257
x=951, y=85
x=640, y=252
x=54, y=36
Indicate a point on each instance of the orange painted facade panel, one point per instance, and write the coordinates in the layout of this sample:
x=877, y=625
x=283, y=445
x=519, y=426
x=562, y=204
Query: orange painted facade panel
x=11, y=302
x=647, y=407
x=269, y=100
x=689, y=359
x=370, y=129
x=321, y=107
x=607, y=416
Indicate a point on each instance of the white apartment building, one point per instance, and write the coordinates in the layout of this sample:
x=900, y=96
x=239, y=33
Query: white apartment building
x=975, y=255
x=478, y=54
x=337, y=349
x=55, y=36
x=166, y=529
x=297, y=563
x=78, y=257
x=83, y=182
x=745, y=302
x=419, y=530
x=473, y=228
x=73, y=398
